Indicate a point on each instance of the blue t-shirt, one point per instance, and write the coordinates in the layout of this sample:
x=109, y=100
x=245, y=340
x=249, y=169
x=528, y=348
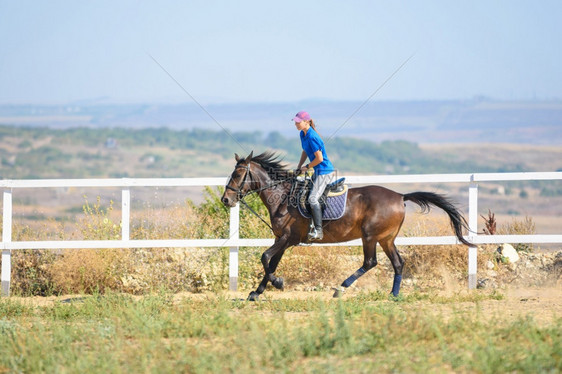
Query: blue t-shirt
x=311, y=142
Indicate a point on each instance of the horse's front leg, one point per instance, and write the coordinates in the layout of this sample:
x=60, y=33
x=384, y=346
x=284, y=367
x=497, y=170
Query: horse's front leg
x=277, y=282
x=270, y=259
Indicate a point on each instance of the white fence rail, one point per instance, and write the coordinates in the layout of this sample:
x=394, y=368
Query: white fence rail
x=234, y=241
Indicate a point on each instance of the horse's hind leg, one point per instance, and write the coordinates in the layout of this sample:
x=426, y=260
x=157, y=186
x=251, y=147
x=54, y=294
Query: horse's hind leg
x=369, y=262
x=396, y=261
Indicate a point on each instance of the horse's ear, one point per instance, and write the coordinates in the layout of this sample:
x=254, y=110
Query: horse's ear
x=236, y=157
x=249, y=158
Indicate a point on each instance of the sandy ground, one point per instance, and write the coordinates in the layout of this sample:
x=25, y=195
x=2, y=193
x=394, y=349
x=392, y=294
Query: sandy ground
x=543, y=304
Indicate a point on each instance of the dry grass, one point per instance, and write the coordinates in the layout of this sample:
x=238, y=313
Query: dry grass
x=87, y=270
x=139, y=271
x=316, y=266
x=524, y=226
x=436, y=265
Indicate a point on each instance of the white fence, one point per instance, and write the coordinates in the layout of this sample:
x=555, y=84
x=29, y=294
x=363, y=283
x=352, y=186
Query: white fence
x=234, y=241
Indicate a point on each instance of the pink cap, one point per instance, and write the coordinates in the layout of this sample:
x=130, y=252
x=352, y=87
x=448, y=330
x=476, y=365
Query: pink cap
x=302, y=116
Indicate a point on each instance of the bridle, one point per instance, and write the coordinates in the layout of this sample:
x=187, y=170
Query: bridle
x=238, y=190
x=240, y=195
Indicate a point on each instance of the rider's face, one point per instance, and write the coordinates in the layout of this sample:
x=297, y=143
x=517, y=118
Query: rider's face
x=301, y=125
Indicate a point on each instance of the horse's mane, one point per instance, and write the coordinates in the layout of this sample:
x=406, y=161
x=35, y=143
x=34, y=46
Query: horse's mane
x=271, y=163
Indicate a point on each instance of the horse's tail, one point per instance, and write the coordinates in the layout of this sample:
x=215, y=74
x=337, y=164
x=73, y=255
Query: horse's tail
x=425, y=199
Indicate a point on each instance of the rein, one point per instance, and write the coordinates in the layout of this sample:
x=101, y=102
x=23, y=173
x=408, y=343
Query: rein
x=256, y=214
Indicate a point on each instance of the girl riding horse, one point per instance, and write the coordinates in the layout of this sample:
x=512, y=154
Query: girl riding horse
x=373, y=213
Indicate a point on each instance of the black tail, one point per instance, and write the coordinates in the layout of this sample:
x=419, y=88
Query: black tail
x=425, y=199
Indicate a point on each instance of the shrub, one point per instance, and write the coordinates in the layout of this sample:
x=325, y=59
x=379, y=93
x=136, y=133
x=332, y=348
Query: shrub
x=87, y=270
x=525, y=226
x=97, y=223
x=31, y=272
x=213, y=216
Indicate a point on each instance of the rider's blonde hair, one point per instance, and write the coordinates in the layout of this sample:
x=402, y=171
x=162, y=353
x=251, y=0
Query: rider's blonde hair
x=313, y=126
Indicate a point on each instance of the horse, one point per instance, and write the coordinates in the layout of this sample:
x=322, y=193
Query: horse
x=373, y=213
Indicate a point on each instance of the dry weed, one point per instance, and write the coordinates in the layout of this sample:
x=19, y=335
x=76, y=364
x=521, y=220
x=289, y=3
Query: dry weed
x=31, y=272
x=525, y=226
x=315, y=265
x=180, y=269
x=87, y=270
x=436, y=265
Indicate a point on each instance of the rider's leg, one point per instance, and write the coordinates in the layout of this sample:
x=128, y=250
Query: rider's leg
x=320, y=183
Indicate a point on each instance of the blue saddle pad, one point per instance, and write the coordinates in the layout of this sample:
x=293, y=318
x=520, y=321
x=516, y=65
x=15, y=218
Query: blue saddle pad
x=335, y=208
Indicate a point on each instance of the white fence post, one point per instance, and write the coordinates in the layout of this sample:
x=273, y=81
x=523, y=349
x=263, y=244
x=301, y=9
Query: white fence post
x=473, y=230
x=6, y=238
x=125, y=213
x=233, y=253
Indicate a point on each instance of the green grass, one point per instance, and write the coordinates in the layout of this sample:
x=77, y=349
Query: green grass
x=370, y=332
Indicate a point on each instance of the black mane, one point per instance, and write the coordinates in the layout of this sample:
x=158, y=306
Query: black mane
x=271, y=163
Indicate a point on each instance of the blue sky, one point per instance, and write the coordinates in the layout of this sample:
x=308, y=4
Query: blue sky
x=255, y=51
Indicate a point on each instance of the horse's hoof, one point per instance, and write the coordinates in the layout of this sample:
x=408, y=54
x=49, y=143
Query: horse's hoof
x=253, y=296
x=278, y=283
x=338, y=292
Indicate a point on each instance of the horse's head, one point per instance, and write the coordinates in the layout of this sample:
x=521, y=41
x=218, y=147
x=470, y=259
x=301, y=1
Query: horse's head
x=239, y=182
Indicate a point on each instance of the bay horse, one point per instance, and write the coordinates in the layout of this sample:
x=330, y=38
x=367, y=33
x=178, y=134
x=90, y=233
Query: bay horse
x=373, y=213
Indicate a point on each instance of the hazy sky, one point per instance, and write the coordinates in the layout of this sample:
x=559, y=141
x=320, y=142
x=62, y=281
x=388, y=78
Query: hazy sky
x=258, y=51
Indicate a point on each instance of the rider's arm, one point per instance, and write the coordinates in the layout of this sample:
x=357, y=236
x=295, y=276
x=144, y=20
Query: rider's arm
x=318, y=158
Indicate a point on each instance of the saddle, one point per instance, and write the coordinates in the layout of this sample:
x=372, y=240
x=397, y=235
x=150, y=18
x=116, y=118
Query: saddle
x=332, y=201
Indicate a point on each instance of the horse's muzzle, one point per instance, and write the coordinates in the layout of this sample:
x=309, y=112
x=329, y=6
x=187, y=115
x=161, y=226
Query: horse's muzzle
x=228, y=202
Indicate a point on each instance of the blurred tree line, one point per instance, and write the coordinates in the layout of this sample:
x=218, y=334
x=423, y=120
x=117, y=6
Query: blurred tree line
x=29, y=152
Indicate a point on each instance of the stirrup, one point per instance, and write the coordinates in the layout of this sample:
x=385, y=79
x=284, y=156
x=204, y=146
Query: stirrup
x=315, y=234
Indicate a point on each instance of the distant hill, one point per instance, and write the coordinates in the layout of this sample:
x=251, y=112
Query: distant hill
x=35, y=152
x=471, y=121
x=80, y=152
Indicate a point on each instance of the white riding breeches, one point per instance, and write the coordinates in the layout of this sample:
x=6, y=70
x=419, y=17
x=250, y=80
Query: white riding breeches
x=319, y=185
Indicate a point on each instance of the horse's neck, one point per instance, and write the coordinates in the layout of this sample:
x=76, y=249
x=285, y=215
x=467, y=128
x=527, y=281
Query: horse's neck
x=276, y=197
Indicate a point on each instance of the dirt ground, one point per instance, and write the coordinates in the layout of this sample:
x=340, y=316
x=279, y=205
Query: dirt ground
x=531, y=287
x=543, y=304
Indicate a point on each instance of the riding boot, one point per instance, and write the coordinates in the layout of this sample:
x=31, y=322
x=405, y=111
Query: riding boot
x=316, y=231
